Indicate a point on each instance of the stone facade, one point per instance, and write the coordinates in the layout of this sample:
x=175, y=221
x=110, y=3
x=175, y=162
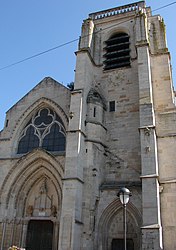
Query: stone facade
x=119, y=125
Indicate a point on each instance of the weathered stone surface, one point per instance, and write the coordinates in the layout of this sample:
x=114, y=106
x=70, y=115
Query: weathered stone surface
x=133, y=145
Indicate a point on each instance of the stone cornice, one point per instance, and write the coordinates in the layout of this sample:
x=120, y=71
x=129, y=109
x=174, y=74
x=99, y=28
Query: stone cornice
x=116, y=185
x=148, y=176
x=73, y=178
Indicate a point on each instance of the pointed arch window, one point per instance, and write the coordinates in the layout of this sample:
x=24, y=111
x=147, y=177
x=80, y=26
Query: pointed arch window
x=46, y=130
x=117, y=51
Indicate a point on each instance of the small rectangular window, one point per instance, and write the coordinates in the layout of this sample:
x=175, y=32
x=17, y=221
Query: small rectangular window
x=94, y=112
x=7, y=123
x=112, y=106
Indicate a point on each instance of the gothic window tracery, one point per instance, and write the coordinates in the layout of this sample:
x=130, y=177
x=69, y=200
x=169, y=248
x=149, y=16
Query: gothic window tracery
x=46, y=130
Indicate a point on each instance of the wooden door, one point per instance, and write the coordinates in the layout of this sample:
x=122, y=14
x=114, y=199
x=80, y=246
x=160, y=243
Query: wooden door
x=39, y=235
x=118, y=244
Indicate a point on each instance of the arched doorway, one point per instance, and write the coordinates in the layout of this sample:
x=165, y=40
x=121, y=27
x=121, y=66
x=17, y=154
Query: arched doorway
x=111, y=231
x=37, y=198
x=39, y=235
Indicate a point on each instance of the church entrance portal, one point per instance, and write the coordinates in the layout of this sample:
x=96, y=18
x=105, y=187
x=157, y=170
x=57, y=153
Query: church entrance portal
x=39, y=235
x=118, y=244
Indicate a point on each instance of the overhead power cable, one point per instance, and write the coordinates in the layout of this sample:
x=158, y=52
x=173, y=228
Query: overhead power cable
x=39, y=54
x=72, y=41
x=165, y=6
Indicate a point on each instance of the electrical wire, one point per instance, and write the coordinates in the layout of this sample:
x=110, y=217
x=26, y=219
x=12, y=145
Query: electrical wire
x=39, y=54
x=72, y=41
x=167, y=5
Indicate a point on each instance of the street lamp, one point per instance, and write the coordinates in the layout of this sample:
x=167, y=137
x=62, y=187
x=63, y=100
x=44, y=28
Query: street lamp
x=124, y=195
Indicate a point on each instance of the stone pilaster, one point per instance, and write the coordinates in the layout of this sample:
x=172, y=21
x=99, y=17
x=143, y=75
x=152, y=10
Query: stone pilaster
x=73, y=182
x=151, y=230
x=70, y=227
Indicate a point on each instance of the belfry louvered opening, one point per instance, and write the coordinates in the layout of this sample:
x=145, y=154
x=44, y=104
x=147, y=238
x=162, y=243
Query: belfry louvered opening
x=117, y=51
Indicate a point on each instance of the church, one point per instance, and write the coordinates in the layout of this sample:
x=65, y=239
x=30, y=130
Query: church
x=66, y=152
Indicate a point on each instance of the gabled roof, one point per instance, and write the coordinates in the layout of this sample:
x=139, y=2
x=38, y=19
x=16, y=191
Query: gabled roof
x=45, y=81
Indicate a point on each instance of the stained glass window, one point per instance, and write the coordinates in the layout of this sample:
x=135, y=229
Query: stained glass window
x=46, y=130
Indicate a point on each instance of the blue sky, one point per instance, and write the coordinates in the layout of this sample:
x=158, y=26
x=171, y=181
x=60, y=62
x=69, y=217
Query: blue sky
x=30, y=27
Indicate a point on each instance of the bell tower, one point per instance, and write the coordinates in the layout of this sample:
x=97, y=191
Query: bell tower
x=112, y=138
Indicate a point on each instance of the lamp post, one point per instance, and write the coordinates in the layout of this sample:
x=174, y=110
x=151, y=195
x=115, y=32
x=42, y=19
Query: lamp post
x=124, y=195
